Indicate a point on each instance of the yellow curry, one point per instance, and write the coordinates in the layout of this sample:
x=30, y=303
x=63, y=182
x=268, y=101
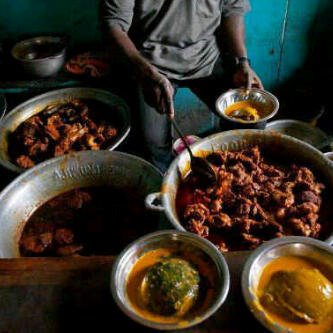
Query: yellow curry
x=246, y=111
x=297, y=293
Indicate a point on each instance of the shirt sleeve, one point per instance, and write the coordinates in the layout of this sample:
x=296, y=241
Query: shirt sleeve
x=235, y=7
x=117, y=13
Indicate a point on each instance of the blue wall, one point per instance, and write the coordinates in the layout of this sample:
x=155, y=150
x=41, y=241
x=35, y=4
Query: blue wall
x=277, y=30
x=280, y=34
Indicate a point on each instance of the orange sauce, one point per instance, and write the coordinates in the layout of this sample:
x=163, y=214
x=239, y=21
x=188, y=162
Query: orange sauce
x=293, y=263
x=252, y=108
x=150, y=258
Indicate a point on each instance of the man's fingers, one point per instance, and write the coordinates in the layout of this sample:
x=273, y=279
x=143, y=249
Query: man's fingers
x=167, y=95
x=259, y=83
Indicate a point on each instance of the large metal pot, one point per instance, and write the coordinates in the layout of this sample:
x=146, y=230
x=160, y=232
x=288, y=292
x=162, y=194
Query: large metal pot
x=283, y=147
x=53, y=177
x=35, y=105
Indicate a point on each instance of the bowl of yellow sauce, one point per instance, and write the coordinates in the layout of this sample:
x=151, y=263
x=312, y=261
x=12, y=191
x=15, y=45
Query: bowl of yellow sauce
x=170, y=280
x=240, y=108
x=287, y=284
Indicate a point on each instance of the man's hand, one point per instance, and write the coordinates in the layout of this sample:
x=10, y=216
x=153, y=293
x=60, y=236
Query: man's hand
x=244, y=76
x=157, y=89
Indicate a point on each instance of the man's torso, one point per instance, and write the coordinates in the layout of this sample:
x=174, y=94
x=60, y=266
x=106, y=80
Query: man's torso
x=178, y=36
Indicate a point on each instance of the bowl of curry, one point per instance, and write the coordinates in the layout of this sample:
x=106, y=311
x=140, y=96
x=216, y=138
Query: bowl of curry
x=170, y=280
x=242, y=108
x=288, y=285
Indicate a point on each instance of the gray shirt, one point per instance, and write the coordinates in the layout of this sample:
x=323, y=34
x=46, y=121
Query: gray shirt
x=177, y=36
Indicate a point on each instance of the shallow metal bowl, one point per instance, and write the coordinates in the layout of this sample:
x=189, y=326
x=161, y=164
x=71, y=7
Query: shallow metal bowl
x=300, y=130
x=26, y=54
x=35, y=105
x=268, y=101
x=132, y=253
x=286, y=246
x=20, y=199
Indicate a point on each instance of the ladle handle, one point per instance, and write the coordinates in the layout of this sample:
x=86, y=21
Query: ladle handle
x=181, y=135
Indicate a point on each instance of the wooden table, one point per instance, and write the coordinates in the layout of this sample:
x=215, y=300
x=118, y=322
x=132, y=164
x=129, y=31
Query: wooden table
x=73, y=294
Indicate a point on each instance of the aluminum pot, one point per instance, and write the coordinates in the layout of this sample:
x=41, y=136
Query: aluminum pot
x=28, y=54
x=300, y=130
x=35, y=105
x=53, y=177
x=282, y=146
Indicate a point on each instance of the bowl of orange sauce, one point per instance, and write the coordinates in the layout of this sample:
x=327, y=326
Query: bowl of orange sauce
x=170, y=280
x=241, y=108
x=287, y=284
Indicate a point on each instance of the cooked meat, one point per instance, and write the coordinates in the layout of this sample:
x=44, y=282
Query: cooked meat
x=252, y=201
x=87, y=221
x=25, y=162
x=61, y=129
x=68, y=250
x=36, y=244
x=64, y=236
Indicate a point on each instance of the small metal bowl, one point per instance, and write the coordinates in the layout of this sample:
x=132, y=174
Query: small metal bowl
x=41, y=56
x=134, y=251
x=263, y=255
x=268, y=101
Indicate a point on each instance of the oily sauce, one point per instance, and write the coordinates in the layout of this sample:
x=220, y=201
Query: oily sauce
x=201, y=262
x=100, y=220
x=294, y=263
x=246, y=111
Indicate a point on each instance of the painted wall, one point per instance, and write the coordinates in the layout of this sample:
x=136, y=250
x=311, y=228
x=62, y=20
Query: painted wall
x=280, y=34
x=277, y=30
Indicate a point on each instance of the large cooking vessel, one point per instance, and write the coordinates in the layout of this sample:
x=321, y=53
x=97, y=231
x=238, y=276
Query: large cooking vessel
x=283, y=147
x=35, y=105
x=53, y=177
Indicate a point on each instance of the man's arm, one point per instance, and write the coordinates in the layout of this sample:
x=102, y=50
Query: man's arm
x=233, y=41
x=157, y=89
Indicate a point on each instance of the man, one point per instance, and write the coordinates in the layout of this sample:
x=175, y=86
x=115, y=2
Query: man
x=171, y=43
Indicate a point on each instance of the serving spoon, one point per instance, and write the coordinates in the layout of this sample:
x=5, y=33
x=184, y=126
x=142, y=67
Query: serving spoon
x=199, y=166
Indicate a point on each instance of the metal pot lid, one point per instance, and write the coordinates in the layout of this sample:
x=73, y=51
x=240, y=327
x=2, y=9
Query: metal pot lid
x=299, y=130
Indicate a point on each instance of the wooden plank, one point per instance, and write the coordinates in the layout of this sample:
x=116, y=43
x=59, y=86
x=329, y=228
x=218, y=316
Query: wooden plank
x=58, y=295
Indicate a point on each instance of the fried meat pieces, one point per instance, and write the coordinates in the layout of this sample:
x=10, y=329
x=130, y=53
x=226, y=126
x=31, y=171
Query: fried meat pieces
x=57, y=130
x=254, y=201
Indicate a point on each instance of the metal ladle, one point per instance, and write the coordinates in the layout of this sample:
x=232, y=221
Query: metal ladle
x=199, y=166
